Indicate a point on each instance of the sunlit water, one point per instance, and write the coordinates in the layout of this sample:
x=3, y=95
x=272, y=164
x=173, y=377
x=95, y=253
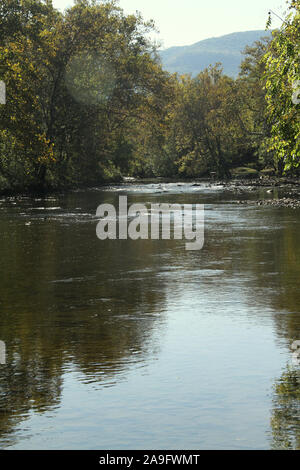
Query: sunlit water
x=142, y=344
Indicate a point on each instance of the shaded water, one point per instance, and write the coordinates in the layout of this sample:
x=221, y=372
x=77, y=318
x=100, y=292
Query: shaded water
x=142, y=344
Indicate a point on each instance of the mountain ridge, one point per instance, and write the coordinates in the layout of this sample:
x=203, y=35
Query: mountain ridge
x=226, y=49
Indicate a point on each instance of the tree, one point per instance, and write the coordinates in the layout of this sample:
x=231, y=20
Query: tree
x=251, y=80
x=25, y=59
x=78, y=84
x=208, y=124
x=282, y=77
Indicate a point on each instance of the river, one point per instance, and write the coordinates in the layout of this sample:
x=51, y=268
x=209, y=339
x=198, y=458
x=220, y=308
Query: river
x=124, y=344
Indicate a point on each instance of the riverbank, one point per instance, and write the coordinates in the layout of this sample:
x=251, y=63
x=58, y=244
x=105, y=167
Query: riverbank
x=271, y=190
x=282, y=202
x=279, y=191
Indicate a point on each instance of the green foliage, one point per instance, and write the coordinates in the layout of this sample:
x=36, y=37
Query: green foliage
x=282, y=77
x=208, y=124
x=77, y=84
x=88, y=101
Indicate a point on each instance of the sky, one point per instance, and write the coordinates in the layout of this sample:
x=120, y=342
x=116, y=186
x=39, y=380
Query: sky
x=184, y=22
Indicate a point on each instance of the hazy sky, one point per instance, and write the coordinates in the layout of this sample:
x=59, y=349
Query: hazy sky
x=183, y=22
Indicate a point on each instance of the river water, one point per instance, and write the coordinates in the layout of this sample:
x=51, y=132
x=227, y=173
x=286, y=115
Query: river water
x=123, y=344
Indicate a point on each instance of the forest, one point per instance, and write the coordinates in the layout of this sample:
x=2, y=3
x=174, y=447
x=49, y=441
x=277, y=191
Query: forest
x=88, y=102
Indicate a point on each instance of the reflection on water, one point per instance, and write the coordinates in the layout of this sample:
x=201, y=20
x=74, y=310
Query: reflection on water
x=140, y=344
x=286, y=412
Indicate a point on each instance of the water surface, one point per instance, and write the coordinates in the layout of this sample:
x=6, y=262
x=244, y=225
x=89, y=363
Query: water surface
x=142, y=344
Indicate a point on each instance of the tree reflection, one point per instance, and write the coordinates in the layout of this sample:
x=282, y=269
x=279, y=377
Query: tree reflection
x=68, y=302
x=285, y=421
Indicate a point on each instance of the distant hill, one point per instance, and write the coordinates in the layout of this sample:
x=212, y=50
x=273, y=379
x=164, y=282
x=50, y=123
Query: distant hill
x=226, y=49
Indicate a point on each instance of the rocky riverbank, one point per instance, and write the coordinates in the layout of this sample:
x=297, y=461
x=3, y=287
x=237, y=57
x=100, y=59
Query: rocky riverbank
x=272, y=191
x=282, y=202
